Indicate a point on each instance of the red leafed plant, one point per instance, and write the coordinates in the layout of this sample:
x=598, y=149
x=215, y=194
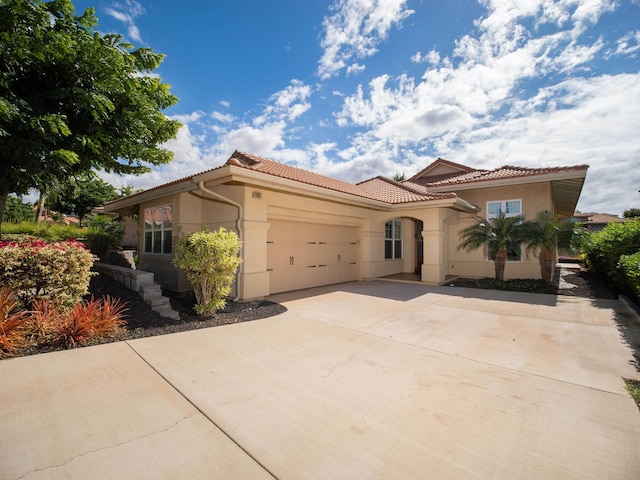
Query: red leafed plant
x=96, y=318
x=12, y=323
x=44, y=319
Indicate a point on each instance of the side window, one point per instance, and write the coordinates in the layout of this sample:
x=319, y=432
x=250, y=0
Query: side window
x=510, y=208
x=393, y=239
x=158, y=229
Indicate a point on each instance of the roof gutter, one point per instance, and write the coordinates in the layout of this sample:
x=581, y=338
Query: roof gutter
x=219, y=197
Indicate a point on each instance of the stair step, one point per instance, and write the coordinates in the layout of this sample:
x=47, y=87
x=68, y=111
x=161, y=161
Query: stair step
x=158, y=301
x=167, y=311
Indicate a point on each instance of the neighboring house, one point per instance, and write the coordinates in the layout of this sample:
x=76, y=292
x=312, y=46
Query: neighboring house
x=594, y=222
x=301, y=229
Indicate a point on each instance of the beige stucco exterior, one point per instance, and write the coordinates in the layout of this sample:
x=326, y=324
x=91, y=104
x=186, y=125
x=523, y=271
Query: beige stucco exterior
x=284, y=223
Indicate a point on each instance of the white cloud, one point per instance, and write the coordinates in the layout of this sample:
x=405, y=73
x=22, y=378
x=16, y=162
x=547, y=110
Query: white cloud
x=355, y=29
x=225, y=104
x=126, y=12
x=629, y=44
x=188, y=117
x=223, y=117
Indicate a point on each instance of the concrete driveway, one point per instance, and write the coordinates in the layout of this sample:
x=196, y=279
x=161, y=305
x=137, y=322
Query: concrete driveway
x=366, y=380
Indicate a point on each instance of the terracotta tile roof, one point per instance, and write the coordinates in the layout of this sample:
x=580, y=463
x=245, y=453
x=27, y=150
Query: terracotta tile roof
x=502, y=173
x=282, y=170
x=389, y=191
x=379, y=188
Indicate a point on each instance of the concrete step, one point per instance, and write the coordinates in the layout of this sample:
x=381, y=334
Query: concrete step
x=148, y=292
x=167, y=311
x=152, y=294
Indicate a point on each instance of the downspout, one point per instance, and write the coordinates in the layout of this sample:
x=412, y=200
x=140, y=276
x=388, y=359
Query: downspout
x=238, y=227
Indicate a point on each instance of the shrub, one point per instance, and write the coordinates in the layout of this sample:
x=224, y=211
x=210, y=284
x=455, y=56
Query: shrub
x=58, y=271
x=12, y=323
x=607, y=246
x=210, y=260
x=104, y=235
x=43, y=321
x=96, y=318
x=100, y=243
x=52, y=232
x=515, y=285
x=629, y=265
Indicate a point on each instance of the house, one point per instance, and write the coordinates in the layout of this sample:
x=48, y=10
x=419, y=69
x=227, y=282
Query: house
x=301, y=229
x=595, y=222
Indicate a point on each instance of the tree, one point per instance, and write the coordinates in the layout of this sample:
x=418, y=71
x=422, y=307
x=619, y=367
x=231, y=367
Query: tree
x=18, y=211
x=543, y=237
x=631, y=213
x=399, y=177
x=80, y=195
x=498, y=234
x=74, y=100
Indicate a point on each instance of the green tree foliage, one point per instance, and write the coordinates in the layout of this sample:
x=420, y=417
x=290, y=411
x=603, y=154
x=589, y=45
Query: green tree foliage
x=78, y=196
x=210, y=260
x=497, y=234
x=606, y=247
x=17, y=211
x=631, y=213
x=74, y=100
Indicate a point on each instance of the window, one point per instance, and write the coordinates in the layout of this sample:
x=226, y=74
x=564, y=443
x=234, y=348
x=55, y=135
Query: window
x=393, y=239
x=157, y=229
x=510, y=208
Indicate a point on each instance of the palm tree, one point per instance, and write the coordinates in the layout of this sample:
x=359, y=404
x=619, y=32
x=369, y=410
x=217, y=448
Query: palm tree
x=543, y=236
x=498, y=234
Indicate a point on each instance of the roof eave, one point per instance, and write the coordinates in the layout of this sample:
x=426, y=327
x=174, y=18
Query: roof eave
x=545, y=177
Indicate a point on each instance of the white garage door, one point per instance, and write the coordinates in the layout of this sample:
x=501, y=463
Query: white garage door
x=303, y=255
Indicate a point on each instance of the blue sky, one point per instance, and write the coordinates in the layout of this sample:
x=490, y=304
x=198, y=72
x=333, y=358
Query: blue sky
x=358, y=88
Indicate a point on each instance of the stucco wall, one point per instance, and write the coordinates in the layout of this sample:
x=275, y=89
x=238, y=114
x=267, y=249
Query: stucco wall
x=535, y=197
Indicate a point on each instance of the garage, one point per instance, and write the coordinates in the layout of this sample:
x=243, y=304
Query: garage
x=305, y=255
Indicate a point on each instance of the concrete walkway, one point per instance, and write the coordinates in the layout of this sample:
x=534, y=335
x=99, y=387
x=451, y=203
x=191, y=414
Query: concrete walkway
x=366, y=380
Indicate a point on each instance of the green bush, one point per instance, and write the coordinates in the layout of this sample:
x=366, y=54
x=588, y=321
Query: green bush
x=58, y=271
x=530, y=285
x=630, y=268
x=53, y=232
x=210, y=260
x=605, y=248
x=104, y=234
x=99, y=243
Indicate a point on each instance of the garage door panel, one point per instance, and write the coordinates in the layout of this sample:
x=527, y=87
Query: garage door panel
x=308, y=255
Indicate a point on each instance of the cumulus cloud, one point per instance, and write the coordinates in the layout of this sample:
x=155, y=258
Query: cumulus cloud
x=354, y=31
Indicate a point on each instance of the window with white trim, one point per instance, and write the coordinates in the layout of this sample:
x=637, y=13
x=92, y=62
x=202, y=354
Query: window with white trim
x=158, y=229
x=393, y=239
x=511, y=208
